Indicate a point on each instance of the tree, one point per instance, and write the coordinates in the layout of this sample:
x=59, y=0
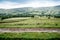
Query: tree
x=49, y=16
x=32, y=16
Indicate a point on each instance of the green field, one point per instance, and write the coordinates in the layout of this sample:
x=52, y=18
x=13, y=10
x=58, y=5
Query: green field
x=32, y=35
x=28, y=22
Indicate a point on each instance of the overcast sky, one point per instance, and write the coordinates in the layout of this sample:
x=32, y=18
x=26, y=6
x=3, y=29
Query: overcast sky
x=8, y=4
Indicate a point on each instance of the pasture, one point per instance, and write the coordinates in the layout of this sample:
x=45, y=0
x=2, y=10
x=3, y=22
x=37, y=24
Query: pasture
x=28, y=22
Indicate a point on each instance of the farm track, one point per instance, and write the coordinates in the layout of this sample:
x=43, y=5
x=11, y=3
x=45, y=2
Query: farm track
x=29, y=30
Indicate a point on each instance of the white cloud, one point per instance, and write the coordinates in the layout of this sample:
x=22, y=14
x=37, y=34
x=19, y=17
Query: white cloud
x=9, y=5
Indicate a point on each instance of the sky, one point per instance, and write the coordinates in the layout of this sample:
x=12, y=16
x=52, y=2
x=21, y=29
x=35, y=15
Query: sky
x=9, y=4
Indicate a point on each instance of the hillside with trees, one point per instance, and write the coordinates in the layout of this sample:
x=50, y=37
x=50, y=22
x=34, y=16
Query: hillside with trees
x=30, y=12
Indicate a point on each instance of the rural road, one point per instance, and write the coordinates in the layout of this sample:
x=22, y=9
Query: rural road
x=29, y=29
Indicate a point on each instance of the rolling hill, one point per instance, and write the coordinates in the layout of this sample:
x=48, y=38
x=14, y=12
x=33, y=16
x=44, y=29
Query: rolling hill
x=29, y=11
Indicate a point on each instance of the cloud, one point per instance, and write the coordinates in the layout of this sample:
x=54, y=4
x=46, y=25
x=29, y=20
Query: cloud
x=9, y=5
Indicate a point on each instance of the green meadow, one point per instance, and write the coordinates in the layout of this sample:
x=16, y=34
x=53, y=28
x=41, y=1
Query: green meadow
x=28, y=22
x=31, y=35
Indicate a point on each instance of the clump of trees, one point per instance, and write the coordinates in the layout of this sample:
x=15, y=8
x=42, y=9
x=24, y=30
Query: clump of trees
x=57, y=15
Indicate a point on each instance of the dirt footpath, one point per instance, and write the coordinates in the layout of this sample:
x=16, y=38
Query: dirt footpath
x=29, y=29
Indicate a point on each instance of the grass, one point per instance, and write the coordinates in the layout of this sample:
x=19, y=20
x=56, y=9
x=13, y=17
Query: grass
x=30, y=22
x=37, y=35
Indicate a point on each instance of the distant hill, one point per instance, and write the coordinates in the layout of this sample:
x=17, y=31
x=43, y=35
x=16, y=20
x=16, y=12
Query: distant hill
x=57, y=6
x=29, y=11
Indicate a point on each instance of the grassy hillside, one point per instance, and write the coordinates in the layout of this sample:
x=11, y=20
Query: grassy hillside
x=27, y=22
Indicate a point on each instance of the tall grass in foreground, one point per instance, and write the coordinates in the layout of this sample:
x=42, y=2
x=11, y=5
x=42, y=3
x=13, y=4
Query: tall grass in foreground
x=31, y=35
